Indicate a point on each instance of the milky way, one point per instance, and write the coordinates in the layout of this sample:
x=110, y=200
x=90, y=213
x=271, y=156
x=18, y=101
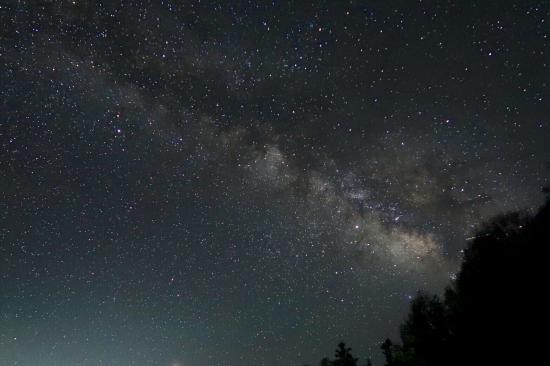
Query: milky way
x=248, y=183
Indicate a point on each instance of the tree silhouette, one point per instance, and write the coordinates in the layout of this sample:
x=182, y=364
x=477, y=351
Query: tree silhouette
x=344, y=357
x=487, y=314
x=387, y=350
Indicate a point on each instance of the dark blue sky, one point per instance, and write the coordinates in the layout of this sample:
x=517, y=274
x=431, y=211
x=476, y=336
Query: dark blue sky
x=247, y=183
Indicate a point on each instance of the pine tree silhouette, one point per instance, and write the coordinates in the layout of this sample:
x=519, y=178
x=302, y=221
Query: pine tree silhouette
x=344, y=357
x=487, y=316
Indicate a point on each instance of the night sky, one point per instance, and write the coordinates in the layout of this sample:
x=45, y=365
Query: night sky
x=236, y=183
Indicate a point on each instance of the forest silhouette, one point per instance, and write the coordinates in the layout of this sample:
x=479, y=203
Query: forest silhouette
x=491, y=314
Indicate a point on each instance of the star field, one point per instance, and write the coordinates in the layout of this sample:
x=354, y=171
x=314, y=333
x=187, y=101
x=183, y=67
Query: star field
x=248, y=183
